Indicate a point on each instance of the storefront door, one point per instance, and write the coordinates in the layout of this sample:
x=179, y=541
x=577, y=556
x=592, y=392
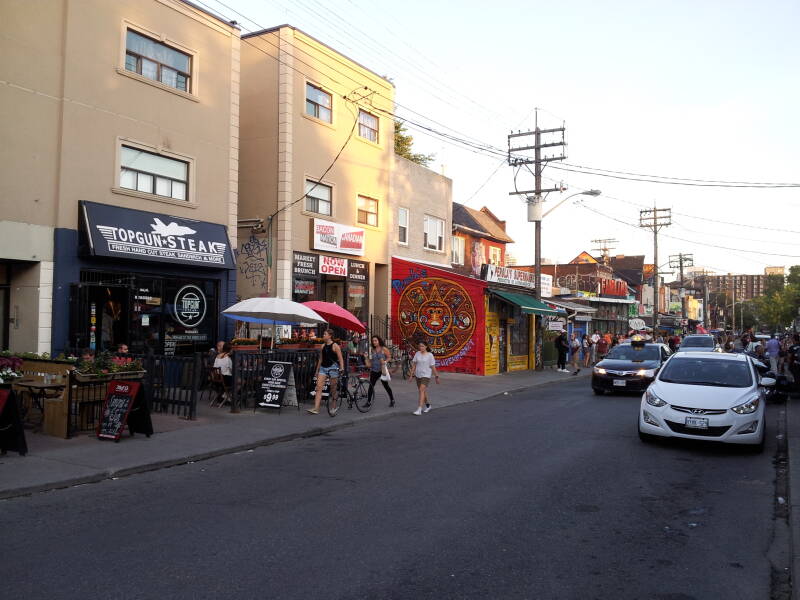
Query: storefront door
x=502, y=340
x=334, y=289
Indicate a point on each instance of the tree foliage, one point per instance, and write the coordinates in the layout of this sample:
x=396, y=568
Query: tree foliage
x=404, y=146
x=777, y=308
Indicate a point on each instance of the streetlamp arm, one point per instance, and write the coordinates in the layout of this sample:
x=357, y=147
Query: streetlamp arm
x=585, y=193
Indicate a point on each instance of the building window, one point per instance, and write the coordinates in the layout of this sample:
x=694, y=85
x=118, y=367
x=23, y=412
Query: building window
x=153, y=174
x=402, y=225
x=495, y=255
x=458, y=246
x=434, y=234
x=318, y=198
x=318, y=103
x=157, y=61
x=367, y=211
x=367, y=126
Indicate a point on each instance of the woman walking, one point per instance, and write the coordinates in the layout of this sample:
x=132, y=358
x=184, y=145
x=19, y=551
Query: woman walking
x=587, y=350
x=422, y=366
x=575, y=347
x=377, y=358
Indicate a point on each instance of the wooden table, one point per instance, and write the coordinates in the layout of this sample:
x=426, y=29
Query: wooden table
x=38, y=390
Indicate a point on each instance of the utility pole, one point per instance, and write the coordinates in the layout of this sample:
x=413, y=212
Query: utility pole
x=678, y=261
x=534, y=197
x=655, y=218
x=604, y=247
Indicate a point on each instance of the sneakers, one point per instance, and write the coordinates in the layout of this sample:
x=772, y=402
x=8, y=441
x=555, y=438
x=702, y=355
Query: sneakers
x=417, y=412
x=427, y=408
x=311, y=411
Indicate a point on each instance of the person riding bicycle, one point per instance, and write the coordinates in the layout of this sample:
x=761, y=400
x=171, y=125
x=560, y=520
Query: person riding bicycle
x=331, y=364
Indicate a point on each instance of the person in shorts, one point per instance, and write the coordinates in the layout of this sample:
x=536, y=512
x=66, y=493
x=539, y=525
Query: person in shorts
x=423, y=365
x=331, y=364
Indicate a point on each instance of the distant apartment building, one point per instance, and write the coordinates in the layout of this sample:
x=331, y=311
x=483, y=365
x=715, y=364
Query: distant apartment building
x=118, y=178
x=479, y=238
x=742, y=287
x=317, y=145
x=780, y=271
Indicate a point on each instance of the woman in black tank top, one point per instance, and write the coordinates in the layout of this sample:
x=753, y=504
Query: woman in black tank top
x=331, y=364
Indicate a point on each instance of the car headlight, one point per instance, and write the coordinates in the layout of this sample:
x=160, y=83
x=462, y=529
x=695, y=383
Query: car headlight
x=600, y=370
x=748, y=407
x=653, y=400
x=646, y=372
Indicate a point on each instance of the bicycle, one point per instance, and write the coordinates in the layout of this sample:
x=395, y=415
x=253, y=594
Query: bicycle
x=354, y=389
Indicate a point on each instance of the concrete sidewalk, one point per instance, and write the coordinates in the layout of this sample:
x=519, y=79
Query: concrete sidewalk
x=53, y=463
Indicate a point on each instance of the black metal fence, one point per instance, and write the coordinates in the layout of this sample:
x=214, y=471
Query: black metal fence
x=249, y=369
x=171, y=385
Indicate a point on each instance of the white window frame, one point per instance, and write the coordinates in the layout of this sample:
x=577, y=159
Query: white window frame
x=437, y=222
x=458, y=246
x=306, y=101
x=402, y=228
x=359, y=210
x=363, y=128
x=192, y=95
x=308, y=197
x=191, y=187
x=495, y=255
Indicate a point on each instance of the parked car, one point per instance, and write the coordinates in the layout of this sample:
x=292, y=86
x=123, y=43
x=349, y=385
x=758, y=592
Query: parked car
x=699, y=342
x=706, y=396
x=629, y=367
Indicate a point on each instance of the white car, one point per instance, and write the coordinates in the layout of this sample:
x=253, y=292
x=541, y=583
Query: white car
x=706, y=396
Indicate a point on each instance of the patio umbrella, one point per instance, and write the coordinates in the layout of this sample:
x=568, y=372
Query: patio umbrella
x=275, y=311
x=336, y=315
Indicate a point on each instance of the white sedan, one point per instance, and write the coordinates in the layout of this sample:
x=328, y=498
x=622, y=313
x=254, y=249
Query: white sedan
x=706, y=396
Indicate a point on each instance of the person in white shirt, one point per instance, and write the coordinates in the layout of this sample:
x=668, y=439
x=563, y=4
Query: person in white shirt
x=423, y=365
x=224, y=363
x=595, y=339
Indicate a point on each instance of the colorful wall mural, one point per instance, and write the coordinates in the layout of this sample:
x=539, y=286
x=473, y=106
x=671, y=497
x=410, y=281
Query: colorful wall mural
x=442, y=308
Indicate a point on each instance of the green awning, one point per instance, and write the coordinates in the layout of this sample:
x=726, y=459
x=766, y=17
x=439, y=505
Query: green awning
x=528, y=304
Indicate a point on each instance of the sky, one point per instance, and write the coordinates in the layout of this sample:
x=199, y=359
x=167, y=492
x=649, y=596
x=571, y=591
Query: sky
x=693, y=89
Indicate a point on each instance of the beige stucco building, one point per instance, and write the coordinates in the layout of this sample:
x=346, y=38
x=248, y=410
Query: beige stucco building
x=132, y=107
x=317, y=144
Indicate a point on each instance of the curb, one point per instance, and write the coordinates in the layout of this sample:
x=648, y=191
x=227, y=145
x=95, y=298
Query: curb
x=316, y=431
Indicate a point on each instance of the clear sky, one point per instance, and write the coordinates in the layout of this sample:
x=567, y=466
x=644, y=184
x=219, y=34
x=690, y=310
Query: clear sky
x=705, y=89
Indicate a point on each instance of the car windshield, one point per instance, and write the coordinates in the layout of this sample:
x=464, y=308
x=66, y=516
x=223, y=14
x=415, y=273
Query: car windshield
x=704, y=371
x=628, y=352
x=698, y=342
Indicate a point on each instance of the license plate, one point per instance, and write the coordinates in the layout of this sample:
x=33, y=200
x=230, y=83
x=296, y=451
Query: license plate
x=619, y=382
x=697, y=422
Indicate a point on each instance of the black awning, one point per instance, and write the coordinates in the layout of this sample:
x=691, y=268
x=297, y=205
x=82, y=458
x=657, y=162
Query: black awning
x=118, y=232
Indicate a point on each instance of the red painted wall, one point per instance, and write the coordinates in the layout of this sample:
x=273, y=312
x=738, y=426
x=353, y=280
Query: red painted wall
x=442, y=308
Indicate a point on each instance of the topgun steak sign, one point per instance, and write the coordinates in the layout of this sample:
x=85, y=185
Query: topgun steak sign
x=335, y=237
x=126, y=233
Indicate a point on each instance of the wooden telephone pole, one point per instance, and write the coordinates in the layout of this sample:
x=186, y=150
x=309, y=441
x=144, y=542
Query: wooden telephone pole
x=655, y=219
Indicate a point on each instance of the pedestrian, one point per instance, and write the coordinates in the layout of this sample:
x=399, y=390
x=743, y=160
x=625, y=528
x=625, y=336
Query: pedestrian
x=783, y=353
x=773, y=350
x=331, y=364
x=224, y=363
x=602, y=348
x=122, y=350
x=423, y=365
x=378, y=358
x=793, y=357
x=562, y=347
x=575, y=348
x=586, y=343
x=595, y=339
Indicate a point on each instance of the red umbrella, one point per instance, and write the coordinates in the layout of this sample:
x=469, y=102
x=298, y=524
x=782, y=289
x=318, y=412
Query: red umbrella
x=336, y=315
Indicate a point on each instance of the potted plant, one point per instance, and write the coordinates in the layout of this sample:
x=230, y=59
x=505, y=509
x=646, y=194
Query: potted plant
x=245, y=344
x=10, y=369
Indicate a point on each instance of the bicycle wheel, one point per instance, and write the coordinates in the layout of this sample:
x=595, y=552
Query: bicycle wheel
x=361, y=395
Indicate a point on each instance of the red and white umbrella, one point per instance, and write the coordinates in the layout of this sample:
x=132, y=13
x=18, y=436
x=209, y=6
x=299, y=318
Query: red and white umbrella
x=336, y=315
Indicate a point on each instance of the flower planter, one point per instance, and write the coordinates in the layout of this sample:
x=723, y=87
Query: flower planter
x=100, y=377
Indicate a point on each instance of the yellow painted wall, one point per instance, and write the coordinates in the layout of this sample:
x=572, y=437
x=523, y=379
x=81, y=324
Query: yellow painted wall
x=492, y=348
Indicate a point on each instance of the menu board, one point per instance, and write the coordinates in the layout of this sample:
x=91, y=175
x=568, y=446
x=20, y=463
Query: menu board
x=274, y=384
x=124, y=405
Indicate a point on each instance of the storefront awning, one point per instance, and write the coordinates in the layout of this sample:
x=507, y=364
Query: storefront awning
x=528, y=304
x=573, y=306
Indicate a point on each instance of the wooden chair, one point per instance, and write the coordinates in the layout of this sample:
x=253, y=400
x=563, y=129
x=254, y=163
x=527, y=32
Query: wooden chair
x=219, y=386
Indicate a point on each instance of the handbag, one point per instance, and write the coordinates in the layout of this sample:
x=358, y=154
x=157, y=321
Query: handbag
x=385, y=373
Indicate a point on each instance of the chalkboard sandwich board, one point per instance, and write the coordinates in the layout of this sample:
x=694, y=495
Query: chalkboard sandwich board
x=274, y=384
x=124, y=404
x=12, y=434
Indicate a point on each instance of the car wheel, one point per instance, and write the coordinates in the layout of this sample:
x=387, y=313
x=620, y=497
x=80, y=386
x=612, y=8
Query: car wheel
x=598, y=391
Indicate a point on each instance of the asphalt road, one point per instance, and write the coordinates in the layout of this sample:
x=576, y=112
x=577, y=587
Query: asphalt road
x=543, y=495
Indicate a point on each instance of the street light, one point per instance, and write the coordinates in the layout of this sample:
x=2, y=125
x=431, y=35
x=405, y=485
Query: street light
x=594, y=193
